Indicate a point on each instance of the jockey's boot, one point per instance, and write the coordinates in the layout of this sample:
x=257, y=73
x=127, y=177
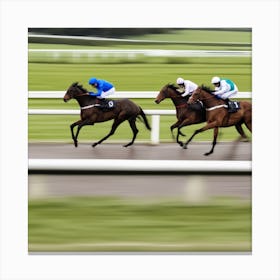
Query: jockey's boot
x=231, y=107
x=103, y=103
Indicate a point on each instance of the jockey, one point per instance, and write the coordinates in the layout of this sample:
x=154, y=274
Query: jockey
x=224, y=88
x=187, y=86
x=103, y=87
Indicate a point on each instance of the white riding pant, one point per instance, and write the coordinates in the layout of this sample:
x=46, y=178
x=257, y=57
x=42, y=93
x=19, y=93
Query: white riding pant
x=229, y=94
x=106, y=93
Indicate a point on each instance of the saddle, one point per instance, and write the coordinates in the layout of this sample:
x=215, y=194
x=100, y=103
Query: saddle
x=233, y=106
x=106, y=104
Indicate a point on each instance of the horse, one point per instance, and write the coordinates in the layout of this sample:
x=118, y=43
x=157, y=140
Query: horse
x=217, y=115
x=186, y=114
x=124, y=110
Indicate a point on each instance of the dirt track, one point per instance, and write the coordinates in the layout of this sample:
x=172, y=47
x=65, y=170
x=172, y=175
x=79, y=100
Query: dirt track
x=170, y=151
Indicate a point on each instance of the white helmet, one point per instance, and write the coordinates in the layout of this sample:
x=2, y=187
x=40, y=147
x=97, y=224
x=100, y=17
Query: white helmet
x=180, y=81
x=215, y=80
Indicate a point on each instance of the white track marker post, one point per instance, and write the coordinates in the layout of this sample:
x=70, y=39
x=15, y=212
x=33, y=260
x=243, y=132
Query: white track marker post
x=37, y=187
x=155, y=129
x=195, y=192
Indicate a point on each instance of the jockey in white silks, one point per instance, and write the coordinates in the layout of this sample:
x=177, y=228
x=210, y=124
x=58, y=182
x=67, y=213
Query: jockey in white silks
x=224, y=88
x=188, y=86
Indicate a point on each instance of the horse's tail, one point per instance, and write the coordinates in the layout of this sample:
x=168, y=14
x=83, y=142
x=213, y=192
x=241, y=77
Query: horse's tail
x=142, y=114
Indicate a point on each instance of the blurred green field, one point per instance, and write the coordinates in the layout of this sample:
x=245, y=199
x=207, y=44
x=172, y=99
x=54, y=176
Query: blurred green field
x=180, y=39
x=110, y=224
x=138, y=77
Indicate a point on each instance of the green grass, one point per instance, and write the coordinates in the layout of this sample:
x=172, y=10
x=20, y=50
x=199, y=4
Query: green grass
x=136, y=77
x=57, y=128
x=214, y=36
x=111, y=224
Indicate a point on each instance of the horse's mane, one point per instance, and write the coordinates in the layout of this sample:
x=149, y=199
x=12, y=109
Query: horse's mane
x=207, y=89
x=172, y=86
x=79, y=86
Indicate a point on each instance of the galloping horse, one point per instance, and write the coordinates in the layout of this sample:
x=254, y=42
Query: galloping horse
x=184, y=112
x=217, y=115
x=90, y=114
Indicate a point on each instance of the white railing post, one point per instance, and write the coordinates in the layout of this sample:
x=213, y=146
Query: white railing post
x=155, y=129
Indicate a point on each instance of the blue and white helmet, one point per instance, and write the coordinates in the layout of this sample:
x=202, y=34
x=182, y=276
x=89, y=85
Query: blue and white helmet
x=92, y=81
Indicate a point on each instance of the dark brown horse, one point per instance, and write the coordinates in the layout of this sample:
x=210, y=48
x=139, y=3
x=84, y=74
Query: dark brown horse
x=186, y=115
x=217, y=115
x=124, y=110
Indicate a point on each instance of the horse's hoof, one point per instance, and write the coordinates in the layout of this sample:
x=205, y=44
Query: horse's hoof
x=76, y=144
x=94, y=144
x=207, y=154
x=127, y=145
x=181, y=144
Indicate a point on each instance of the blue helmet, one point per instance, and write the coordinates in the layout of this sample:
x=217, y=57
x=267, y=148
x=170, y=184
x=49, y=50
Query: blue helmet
x=92, y=81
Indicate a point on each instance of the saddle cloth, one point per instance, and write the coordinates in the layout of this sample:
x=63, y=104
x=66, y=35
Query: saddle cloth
x=107, y=104
x=233, y=106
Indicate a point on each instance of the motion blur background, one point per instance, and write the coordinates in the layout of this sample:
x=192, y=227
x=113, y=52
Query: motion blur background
x=134, y=212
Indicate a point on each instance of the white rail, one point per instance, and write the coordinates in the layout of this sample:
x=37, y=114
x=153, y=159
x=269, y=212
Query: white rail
x=116, y=165
x=118, y=94
x=145, y=52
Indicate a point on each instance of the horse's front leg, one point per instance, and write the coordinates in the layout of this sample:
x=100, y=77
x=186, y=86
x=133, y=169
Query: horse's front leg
x=206, y=127
x=72, y=131
x=80, y=124
x=178, y=132
x=216, y=130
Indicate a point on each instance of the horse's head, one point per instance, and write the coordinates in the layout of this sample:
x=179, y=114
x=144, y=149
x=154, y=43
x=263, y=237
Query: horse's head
x=195, y=96
x=74, y=91
x=168, y=91
x=202, y=93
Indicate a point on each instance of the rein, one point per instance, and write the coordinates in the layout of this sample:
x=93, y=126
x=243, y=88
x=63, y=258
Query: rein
x=82, y=94
x=88, y=106
x=214, y=107
x=178, y=97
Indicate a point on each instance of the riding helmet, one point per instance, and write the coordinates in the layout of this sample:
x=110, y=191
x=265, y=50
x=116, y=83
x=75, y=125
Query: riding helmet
x=215, y=80
x=180, y=81
x=92, y=81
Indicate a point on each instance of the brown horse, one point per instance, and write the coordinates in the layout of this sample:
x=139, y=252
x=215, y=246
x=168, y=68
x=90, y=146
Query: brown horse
x=123, y=110
x=186, y=114
x=217, y=115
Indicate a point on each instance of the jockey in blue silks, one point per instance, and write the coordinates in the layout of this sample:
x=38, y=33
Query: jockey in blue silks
x=103, y=87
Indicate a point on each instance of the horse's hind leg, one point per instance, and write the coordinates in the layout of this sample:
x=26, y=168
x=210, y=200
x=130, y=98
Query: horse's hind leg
x=248, y=123
x=241, y=132
x=116, y=123
x=134, y=130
